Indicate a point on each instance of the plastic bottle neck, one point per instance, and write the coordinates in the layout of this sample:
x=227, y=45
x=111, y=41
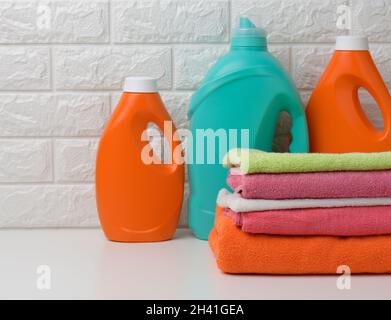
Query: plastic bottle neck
x=248, y=37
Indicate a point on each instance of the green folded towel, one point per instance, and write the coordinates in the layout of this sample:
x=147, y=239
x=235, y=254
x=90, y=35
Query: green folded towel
x=255, y=161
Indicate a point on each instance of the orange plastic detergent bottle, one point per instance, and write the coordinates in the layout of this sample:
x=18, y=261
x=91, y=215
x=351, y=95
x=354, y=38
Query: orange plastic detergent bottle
x=336, y=120
x=139, y=197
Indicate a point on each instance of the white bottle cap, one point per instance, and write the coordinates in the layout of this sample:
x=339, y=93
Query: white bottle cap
x=352, y=43
x=140, y=84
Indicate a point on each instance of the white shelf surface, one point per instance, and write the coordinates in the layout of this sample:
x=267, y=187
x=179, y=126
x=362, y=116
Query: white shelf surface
x=84, y=265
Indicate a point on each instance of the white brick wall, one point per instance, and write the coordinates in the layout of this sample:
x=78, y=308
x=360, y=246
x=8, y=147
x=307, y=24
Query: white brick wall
x=60, y=79
x=24, y=68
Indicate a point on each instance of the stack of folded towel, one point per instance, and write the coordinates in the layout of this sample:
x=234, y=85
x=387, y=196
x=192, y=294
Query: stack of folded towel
x=304, y=213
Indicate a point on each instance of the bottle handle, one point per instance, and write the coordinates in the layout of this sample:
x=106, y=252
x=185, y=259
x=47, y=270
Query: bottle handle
x=163, y=121
x=138, y=125
x=290, y=103
x=382, y=98
x=368, y=77
x=299, y=130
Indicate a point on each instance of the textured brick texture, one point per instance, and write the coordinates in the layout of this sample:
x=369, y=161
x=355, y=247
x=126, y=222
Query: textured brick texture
x=106, y=67
x=170, y=21
x=62, y=64
x=293, y=20
x=24, y=68
x=66, y=22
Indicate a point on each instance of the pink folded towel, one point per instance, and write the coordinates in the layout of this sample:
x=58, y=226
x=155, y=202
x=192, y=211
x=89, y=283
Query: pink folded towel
x=357, y=221
x=321, y=185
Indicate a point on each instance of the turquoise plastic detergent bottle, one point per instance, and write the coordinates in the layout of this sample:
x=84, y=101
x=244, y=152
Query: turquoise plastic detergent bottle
x=246, y=89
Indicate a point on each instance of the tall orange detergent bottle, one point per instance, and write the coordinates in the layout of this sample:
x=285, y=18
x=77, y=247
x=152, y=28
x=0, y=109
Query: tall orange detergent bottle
x=139, y=197
x=336, y=120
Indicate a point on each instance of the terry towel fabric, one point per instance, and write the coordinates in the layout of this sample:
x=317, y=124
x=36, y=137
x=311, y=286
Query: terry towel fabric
x=235, y=202
x=360, y=221
x=319, y=185
x=254, y=161
x=238, y=252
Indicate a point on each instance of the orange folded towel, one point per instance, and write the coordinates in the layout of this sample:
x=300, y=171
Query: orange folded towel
x=240, y=252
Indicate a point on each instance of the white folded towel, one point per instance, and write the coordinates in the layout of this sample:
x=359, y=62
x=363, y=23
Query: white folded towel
x=236, y=203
